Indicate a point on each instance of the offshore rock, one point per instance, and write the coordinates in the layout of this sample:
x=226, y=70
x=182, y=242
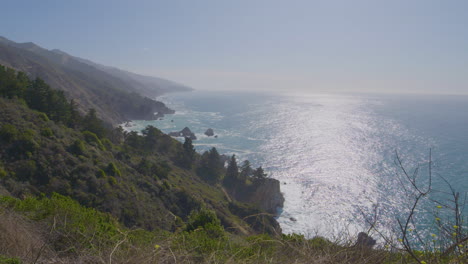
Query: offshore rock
x=209, y=132
x=186, y=132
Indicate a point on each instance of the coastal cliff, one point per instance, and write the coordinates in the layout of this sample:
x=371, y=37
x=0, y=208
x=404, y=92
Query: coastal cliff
x=267, y=196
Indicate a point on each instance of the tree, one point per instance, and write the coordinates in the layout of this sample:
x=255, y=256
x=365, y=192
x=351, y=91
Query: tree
x=75, y=118
x=37, y=94
x=232, y=172
x=93, y=124
x=12, y=84
x=186, y=157
x=211, y=166
x=259, y=174
x=188, y=148
x=246, y=170
x=151, y=137
x=133, y=140
x=112, y=170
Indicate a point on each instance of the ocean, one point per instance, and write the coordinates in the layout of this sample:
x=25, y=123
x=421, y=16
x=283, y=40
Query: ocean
x=336, y=155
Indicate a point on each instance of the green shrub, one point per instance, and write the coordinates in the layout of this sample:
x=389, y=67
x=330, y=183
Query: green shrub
x=319, y=242
x=22, y=102
x=26, y=169
x=78, y=148
x=25, y=145
x=8, y=132
x=203, y=234
x=93, y=139
x=202, y=242
x=83, y=227
x=7, y=260
x=101, y=174
x=112, y=170
x=107, y=143
x=28, y=134
x=3, y=172
x=112, y=180
x=162, y=170
x=296, y=238
x=263, y=243
x=203, y=218
x=47, y=132
x=166, y=185
x=43, y=116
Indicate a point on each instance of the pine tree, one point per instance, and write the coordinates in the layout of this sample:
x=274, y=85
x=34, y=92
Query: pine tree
x=186, y=157
x=152, y=135
x=188, y=148
x=232, y=172
x=93, y=124
x=259, y=174
x=75, y=118
x=246, y=170
x=211, y=166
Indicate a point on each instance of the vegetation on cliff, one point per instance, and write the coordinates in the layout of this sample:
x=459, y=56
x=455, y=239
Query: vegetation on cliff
x=115, y=96
x=74, y=190
x=146, y=180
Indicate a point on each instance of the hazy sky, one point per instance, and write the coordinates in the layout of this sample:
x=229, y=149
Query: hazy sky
x=317, y=46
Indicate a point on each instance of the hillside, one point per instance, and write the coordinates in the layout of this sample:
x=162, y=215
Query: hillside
x=150, y=180
x=73, y=190
x=116, y=96
x=146, y=85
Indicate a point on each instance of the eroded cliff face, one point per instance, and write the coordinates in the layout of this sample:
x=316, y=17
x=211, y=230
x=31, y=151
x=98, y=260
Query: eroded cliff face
x=267, y=196
x=255, y=199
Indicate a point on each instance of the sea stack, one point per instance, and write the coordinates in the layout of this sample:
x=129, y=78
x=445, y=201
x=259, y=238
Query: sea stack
x=186, y=132
x=209, y=132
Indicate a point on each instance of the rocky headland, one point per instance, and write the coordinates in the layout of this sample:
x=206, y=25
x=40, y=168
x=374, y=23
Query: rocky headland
x=265, y=194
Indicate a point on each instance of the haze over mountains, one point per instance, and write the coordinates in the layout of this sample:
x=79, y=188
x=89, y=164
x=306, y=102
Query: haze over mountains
x=117, y=95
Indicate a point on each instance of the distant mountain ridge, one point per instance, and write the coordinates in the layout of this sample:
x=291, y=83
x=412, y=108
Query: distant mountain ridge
x=147, y=85
x=116, y=95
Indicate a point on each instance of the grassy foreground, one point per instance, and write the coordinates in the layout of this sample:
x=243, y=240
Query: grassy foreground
x=59, y=230
x=87, y=193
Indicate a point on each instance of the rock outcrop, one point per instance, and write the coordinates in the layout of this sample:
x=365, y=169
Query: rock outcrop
x=364, y=240
x=209, y=132
x=186, y=132
x=267, y=196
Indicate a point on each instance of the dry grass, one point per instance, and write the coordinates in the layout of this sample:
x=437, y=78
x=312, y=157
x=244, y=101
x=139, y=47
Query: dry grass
x=36, y=242
x=21, y=238
x=32, y=242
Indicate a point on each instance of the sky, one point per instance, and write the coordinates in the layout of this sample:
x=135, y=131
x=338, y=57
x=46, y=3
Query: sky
x=393, y=46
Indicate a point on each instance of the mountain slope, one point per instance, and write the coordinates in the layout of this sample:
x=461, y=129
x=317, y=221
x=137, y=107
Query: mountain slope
x=115, y=99
x=147, y=85
x=150, y=181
